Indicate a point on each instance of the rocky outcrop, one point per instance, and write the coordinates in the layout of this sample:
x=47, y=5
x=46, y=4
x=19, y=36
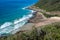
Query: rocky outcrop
x=37, y=18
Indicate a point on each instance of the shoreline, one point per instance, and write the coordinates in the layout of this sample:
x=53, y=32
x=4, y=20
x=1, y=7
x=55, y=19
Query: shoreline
x=19, y=29
x=30, y=16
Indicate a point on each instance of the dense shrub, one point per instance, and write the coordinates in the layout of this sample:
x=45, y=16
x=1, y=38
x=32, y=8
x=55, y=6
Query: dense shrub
x=48, y=32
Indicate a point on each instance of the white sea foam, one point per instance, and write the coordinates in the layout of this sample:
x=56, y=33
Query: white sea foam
x=22, y=21
x=28, y=6
x=24, y=8
x=32, y=11
x=9, y=27
x=13, y=27
x=16, y=24
x=23, y=18
x=6, y=27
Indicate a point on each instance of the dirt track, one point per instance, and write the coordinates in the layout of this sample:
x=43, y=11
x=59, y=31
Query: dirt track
x=48, y=21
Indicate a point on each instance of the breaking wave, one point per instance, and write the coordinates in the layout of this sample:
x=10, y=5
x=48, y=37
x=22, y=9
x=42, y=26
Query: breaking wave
x=14, y=26
x=8, y=27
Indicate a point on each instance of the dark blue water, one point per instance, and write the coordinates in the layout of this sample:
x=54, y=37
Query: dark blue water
x=12, y=13
x=12, y=9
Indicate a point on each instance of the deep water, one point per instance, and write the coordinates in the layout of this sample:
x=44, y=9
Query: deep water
x=12, y=14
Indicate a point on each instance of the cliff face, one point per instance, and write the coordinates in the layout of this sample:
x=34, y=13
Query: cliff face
x=49, y=5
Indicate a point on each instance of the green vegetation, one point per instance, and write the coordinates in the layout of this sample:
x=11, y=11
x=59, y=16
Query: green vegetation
x=48, y=32
x=49, y=5
x=50, y=15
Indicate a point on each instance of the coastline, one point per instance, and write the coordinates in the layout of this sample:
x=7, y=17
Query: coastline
x=19, y=29
x=35, y=23
x=17, y=22
x=28, y=18
x=26, y=26
x=42, y=20
x=33, y=13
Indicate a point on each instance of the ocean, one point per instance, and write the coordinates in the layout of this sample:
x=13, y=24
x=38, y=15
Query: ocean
x=13, y=14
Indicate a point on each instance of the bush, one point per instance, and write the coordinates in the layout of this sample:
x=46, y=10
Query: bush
x=48, y=32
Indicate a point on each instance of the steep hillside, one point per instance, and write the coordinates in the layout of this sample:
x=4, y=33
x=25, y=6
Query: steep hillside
x=49, y=5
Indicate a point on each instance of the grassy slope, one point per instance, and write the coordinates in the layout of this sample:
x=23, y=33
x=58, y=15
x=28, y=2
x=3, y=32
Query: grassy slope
x=49, y=5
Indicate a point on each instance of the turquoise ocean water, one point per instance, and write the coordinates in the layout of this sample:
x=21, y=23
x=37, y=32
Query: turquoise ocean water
x=13, y=14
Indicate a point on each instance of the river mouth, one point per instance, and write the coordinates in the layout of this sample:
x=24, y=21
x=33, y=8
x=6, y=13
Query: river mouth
x=14, y=15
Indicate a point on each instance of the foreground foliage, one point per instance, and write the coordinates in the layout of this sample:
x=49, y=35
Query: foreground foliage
x=48, y=32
